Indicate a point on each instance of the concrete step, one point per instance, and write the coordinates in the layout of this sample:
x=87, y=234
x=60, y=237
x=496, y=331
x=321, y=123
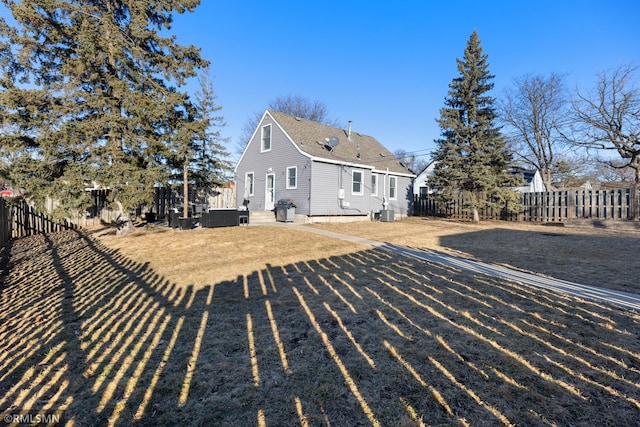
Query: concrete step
x=261, y=217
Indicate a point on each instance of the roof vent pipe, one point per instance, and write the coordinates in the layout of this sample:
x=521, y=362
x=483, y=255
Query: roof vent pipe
x=349, y=131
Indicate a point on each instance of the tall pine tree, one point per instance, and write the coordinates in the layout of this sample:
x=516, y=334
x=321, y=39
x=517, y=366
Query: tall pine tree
x=211, y=167
x=90, y=92
x=471, y=154
x=197, y=154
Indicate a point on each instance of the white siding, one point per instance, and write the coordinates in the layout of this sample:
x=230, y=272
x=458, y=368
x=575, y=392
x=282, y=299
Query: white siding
x=421, y=180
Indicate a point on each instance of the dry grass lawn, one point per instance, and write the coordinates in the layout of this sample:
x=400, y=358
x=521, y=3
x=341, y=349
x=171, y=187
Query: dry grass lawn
x=269, y=326
x=592, y=256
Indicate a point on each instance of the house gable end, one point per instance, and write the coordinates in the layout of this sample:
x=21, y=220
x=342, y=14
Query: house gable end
x=266, y=119
x=253, y=135
x=272, y=168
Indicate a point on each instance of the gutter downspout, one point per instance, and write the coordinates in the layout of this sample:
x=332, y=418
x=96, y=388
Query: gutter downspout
x=384, y=190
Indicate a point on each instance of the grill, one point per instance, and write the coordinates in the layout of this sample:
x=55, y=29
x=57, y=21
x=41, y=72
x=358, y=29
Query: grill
x=285, y=210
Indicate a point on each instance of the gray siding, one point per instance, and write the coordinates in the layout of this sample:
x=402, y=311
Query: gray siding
x=359, y=203
x=318, y=182
x=283, y=154
x=325, y=184
x=400, y=204
x=329, y=178
x=405, y=194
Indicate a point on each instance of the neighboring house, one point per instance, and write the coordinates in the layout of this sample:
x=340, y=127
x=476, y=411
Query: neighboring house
x=325, y=171
x=532, y=180
x=587, y=185
x=420, y=187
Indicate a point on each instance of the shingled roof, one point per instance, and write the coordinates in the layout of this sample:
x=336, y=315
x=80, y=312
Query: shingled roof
x=313, y=138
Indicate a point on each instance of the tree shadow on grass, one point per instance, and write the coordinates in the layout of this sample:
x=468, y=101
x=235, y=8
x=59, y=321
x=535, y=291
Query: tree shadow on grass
x=368, y=338
x=599, y=260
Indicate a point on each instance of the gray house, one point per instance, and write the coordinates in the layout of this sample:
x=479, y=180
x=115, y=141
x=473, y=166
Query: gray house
x=326, y=171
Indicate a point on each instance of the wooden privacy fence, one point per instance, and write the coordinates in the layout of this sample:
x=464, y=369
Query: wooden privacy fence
x=166, y=198
x=222, y=198
x=22, y=220
x=556, y=206
x=5, y=222
x=550, y=206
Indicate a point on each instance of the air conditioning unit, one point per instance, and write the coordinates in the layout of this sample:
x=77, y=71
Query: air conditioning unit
x=387, y=215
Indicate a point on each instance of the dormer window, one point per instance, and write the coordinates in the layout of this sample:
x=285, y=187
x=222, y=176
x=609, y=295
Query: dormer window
x=266, y=138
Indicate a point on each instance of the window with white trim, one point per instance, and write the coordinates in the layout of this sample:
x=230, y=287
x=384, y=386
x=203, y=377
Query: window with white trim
x=374, y=184
x=292, y=177
x=356, y=182
x=266, y=138
x=393, y=195
x=248, y=184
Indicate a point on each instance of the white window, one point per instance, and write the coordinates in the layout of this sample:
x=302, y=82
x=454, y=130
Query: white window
x=392, y=188
x=266, y=138
x=248, y=184
x=356, y=183
x=292, y=177
x=374, y=184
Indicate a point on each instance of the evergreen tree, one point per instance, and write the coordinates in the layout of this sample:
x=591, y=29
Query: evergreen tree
x=211, y=166
x=89, y=92
x=471, y=154
x=197, y=152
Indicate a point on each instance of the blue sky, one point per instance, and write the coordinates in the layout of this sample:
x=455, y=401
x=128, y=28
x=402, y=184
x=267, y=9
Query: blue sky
x=386, y=65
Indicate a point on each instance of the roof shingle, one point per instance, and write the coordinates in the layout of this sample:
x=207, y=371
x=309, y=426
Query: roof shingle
x=313, y=138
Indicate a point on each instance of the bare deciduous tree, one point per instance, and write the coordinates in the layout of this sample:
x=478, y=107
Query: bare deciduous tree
x=413, y=162
x=305, y=108
x=573, y=171
x=607, y=171
x=608, y=117
x=534, y=111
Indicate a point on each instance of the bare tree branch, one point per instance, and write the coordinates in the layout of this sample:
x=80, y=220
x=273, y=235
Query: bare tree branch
x=534, y=112
x=608, y=117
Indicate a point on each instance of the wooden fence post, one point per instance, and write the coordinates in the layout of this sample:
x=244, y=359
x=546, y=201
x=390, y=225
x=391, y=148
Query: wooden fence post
x=27, y=219
x=5, y=222
x=633, y=203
